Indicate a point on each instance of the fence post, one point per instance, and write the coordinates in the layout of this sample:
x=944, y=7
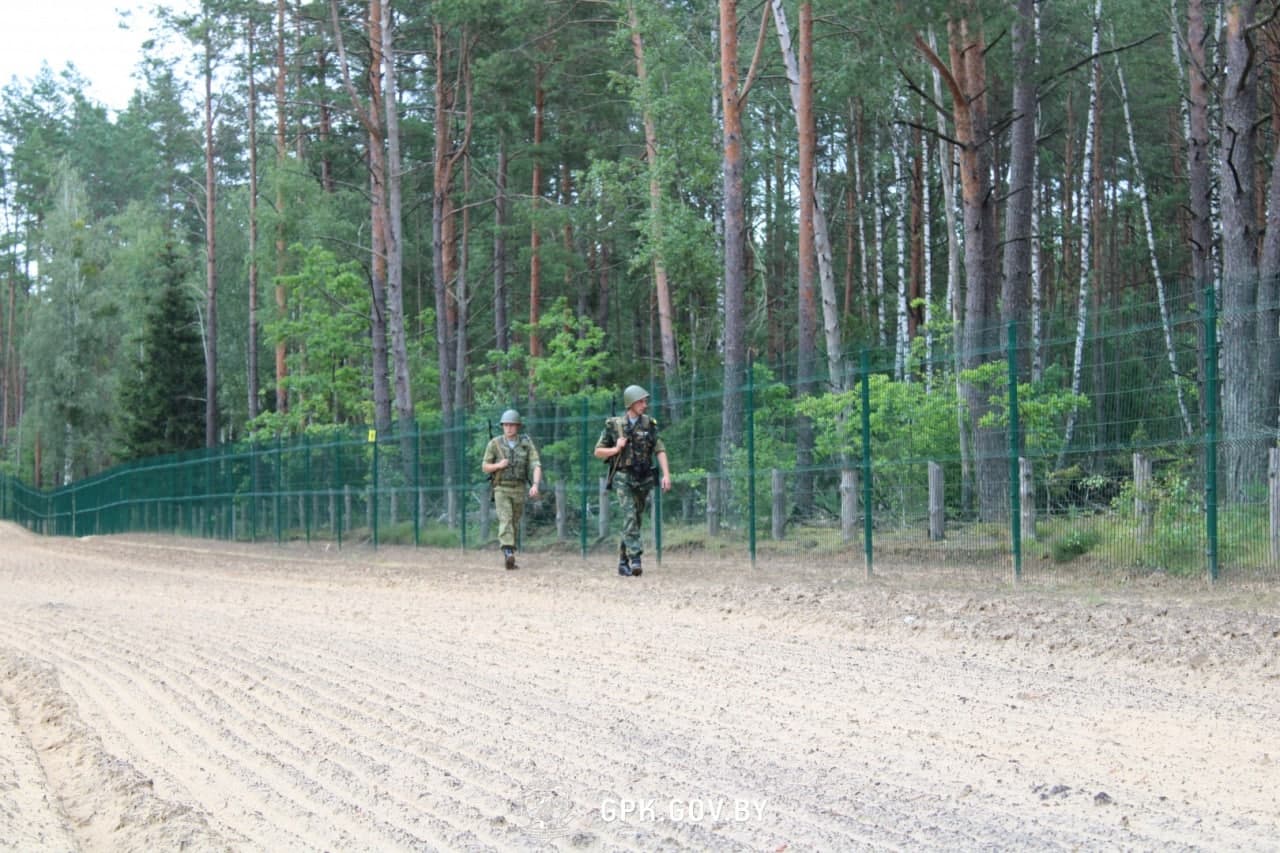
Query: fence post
x=713, y=505
x=562, y=507
x=1141, y=490
x=779, y=514
x=751, y=460
x=657, y=492
x=417, y=489
x=585, y=463
x=1211, y=426
x=937, y=508
x=865, y=365
x=279, y=485
x=309, y=491
x=602, y=527
x=848, y=503
x=1273, y=477
x=1015, y=478
x=463, y=486
x=1027, y=489
x=373, y=491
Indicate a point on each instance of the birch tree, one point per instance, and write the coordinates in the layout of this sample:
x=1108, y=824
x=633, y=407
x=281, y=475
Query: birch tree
x=1140, y=189
x=1086, y=231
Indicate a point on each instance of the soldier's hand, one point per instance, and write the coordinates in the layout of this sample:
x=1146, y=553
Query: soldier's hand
x=666, y=482
x=505, y=463
x=533, y=490
x=622, y=442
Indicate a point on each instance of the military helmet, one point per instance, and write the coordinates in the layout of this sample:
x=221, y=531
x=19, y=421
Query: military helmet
x=633, y=395
x=510, y=416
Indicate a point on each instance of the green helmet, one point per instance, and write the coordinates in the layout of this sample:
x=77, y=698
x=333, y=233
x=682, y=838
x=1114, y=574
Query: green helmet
x=510, y=416
x=633, y=395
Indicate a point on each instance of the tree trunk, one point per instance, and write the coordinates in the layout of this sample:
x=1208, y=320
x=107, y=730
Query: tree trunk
x=980, y=334
x=800, y=77
x=282, y=369
x=1016, y=287
x=211, y=256
x=395, y=238
x=662, y=287
x=1140, y=187
x=1198, y=147
x=1242, y=403
x=947, y=169
x=900, y=213
x=535, y=238
x=501, y=326
x=1086, y=203
x=735, y=234
x=252, y=346
x=1268, y=330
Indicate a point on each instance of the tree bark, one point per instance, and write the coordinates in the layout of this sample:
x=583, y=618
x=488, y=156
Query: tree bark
x=1140, y=188
x=395, y=236
x=211, y=255
x=1016, y=286
x=282, y=368
x=735, y=233
x=535, y=237
x=501, y=326
x=252, y=347
x=662, y=287
x=1086, y=230
x=1242, y=403
x=967, y=81
x=800, y=77
x=1198, y=147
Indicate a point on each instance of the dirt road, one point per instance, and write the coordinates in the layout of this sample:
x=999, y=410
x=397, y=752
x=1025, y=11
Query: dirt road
x=164, y=694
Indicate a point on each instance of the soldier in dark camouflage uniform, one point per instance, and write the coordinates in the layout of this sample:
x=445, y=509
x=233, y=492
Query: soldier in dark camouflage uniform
x=631, y=444
x=511, y=461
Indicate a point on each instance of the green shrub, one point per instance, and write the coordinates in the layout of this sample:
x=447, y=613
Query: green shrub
x=1074, y=543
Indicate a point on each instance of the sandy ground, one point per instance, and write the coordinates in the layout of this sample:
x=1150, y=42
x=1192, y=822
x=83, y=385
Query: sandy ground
x=163, y=694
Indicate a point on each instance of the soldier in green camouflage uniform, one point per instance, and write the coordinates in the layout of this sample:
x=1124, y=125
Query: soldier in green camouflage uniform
x=511, y=461
x=631, y=445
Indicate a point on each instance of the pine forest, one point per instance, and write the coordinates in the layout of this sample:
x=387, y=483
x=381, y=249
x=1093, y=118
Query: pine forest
x=390, y=216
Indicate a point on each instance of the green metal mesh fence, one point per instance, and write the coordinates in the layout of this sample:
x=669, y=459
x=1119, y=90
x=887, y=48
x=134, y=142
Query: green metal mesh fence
x=1098, y=449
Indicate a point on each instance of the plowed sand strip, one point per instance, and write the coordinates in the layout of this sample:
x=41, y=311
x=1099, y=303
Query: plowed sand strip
x=108, y=804
x=318, y=704
x=30, y=818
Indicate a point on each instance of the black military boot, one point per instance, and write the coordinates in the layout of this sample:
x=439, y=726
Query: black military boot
x=624, y=567
x=636, y=571
x=509, y=557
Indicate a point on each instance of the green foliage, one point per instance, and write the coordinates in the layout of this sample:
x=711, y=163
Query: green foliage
x=162, y=402
x=1077, y=541
x=1175, y=542
x=572, y=362
x=1043, y=407
x=326, y=332
x=72, y=342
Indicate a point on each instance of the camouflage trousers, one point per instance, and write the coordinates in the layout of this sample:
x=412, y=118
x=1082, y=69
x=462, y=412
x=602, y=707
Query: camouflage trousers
x=633, y=500
x=508, y=504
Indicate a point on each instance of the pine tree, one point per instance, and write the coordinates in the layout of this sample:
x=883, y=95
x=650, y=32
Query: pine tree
x=162, y=409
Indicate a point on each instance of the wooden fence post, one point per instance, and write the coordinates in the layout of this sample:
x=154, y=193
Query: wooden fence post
x=486, y=512
x=779, y=519
x=1273, y=475
x=602, y=526
x=1027, y=497
x=1141, y=491
x=937, y=504
x=562, y=516
x=713, y=505
x=848, y=504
